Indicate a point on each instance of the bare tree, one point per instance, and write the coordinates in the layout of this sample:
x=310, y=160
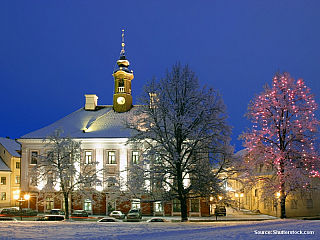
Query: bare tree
x=183, y=133
x=63, y=171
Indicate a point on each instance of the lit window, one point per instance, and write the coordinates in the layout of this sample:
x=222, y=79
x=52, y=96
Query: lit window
x=135, y=157
x=17, y=180
x=49, y=202
x=3, y=196
x=135, y=204
x=88, y=157
x=34, y=156
x=3, y=180
x=87, y=205
x=17, y=165
x=158, y=207
x=111, y=157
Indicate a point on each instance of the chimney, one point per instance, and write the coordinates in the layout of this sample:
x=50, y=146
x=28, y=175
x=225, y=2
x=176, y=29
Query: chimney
x=91, y=101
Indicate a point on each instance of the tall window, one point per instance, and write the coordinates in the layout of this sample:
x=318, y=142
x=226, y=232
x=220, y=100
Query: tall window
x=17, y=165
x=3, y=180
x=17, y=179
x=309, y=203
x=135, y=157
x=194, y=205
x=87, y=205
x=111, y=157
x=293, y=204
x=3, y=196
x=88, y=157
x=49, y=202
x=33, y=181
x=176, y=205
x=158, y=207
x=135, y=204
x=34, y=156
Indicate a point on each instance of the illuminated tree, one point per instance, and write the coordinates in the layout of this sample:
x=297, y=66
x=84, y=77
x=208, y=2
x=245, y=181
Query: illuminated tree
x=283, y=135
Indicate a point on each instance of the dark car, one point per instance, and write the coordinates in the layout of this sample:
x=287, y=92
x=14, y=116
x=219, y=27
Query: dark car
x=220, y=210
x=108, y=219
x=57, y=211
x=11, y=211
x=134, y=214
x=79, y=213
x=29, y=212
x=51, y=218
x=117, y=214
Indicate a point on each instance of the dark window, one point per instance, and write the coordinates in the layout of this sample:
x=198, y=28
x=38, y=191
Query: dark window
x=194, y=205
x=176, y=205
x=3, y=180
x=17, y=165
x=34, y=156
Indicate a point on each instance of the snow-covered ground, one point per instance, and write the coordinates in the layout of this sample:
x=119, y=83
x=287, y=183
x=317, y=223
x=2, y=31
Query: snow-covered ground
x=151, y=231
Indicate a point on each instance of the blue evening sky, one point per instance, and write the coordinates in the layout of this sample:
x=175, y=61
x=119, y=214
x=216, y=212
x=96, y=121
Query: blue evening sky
x=54, y=52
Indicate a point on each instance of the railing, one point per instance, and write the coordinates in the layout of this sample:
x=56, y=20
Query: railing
x=121, y=89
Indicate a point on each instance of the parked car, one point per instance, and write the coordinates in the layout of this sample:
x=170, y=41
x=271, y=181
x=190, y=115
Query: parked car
x=51, y=218
x=134, y=214
x=29, y=212
x=79, y=213
x=57, y=211
x=108, y=219
x=157, y=219
x=7, y=219
x=14, y=211
x=117, y=214
x=220, y=210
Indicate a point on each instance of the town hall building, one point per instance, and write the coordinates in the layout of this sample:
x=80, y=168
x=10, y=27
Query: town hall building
x=103, y=139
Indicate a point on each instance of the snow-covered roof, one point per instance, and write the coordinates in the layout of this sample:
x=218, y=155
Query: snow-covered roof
x=11, y=146
x=103, y=122
x=4, y=166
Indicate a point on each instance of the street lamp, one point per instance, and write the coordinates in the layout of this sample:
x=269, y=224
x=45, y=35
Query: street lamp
x=26, y=198
x=239, y=195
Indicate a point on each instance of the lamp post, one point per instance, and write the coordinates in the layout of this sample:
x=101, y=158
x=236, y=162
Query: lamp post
x=26, y=198
x=239, y=195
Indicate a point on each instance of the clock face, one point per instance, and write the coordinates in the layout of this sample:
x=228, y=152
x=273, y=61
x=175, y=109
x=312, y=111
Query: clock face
x=121, y=100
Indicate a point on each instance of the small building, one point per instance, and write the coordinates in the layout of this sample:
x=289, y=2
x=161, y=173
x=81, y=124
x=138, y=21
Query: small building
x=251, y=196
x=9, y=171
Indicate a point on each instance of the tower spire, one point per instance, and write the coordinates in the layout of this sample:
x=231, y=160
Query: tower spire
x=122, y=99
x=122, y=44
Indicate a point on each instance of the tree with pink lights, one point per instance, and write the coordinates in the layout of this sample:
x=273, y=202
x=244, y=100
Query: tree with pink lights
x=283, y=136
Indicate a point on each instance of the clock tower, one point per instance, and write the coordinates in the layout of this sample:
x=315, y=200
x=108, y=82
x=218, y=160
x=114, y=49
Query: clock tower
x=122, y=99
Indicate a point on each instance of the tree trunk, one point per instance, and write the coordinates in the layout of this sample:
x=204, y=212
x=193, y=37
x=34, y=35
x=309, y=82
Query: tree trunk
x=184, y=210
x=283, y=205
x=66, y=204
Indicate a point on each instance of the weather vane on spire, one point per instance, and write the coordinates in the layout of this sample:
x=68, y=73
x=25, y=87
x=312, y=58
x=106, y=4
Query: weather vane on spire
x=122, y=44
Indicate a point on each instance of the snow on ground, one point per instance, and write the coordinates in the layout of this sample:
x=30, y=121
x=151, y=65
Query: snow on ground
x=155, y=231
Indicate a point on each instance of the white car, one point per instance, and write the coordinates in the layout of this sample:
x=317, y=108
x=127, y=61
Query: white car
x=117, y=214
x=108, y=219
